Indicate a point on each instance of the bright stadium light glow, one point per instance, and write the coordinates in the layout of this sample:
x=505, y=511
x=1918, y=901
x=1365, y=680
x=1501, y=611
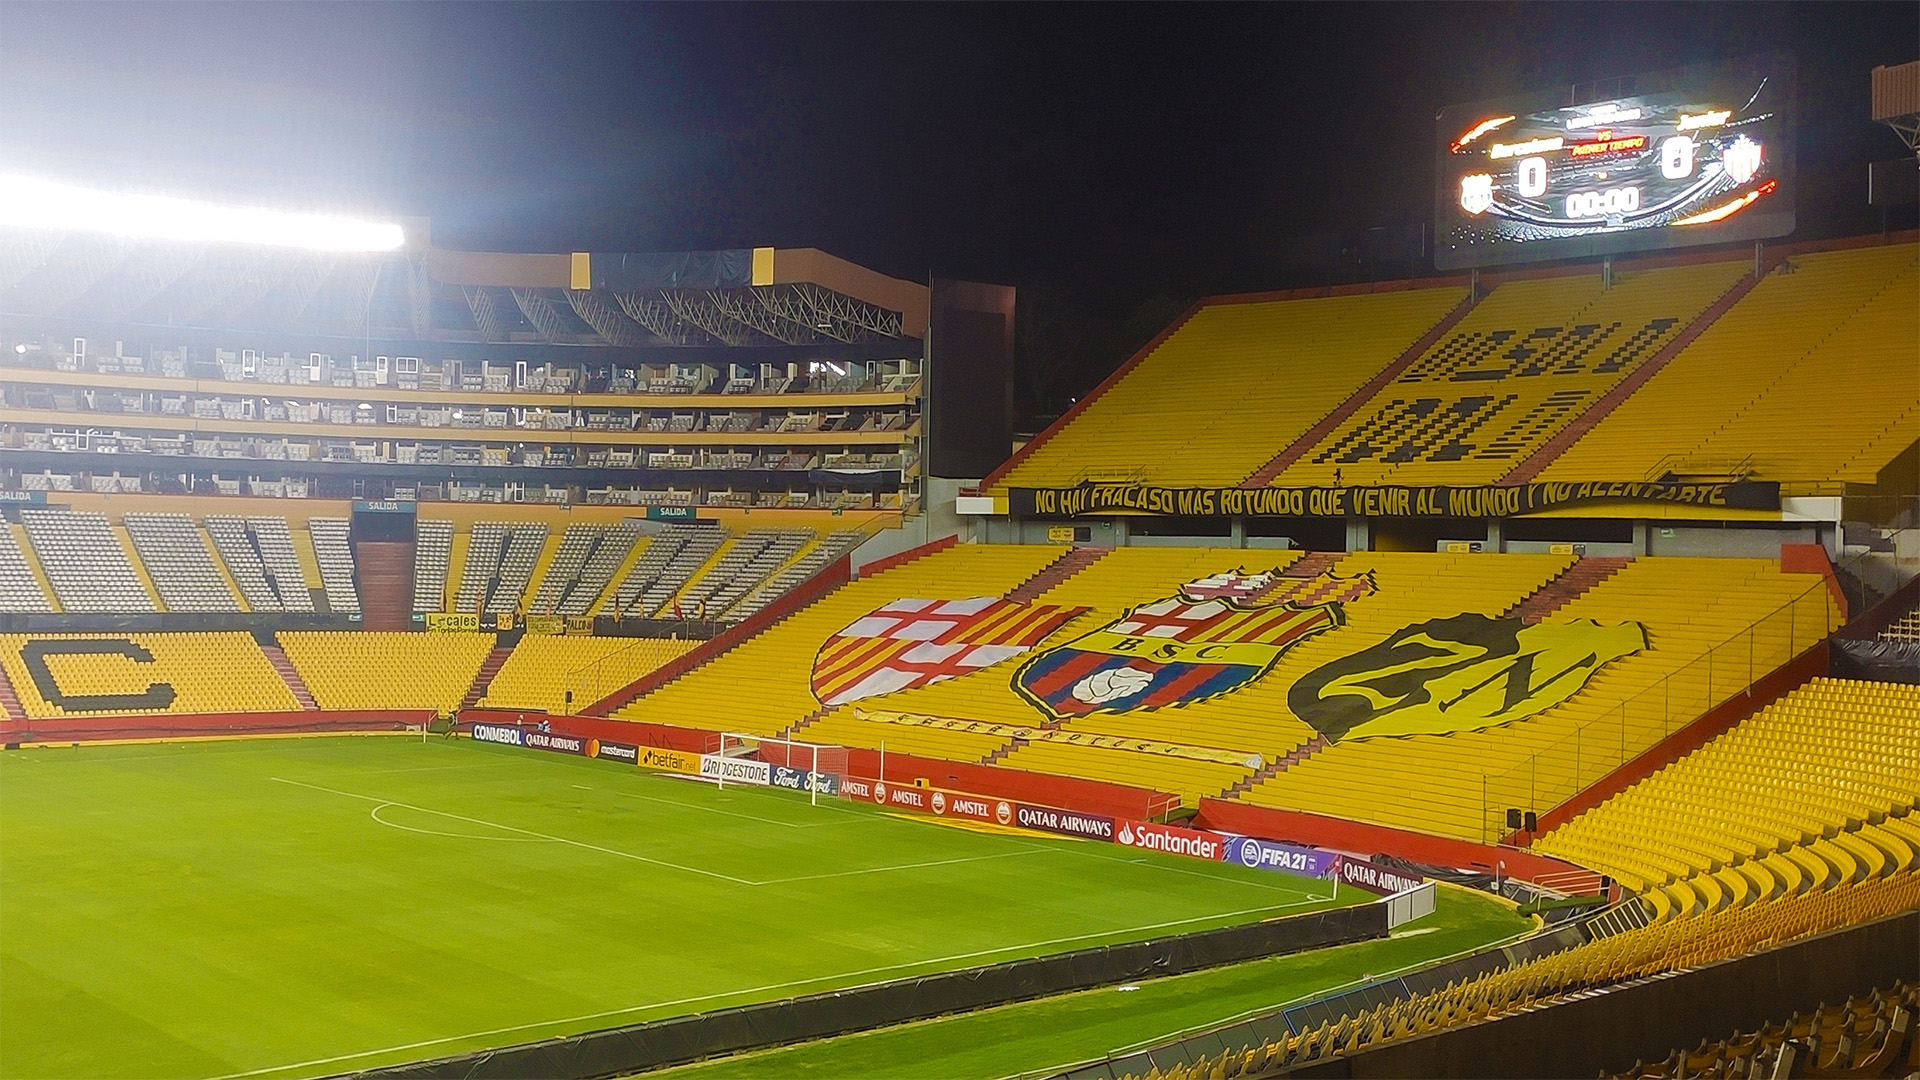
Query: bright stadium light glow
x=30, y=203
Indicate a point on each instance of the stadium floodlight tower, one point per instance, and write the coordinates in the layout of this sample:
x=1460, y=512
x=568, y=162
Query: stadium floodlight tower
x=28, y=202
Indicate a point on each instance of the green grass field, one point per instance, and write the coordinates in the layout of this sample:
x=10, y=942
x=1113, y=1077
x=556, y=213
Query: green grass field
x=1039, y=1037
x=282, y=908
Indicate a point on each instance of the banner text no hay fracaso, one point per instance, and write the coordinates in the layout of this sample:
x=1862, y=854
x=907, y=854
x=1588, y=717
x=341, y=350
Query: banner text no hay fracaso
x=1492, y=500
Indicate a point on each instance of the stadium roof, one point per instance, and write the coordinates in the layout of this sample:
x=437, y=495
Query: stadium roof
x=738, y=298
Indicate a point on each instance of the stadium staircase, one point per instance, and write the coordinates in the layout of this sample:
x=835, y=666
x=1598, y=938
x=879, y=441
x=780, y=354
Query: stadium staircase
x=288, y=673
x=1591, y=570
x=1311, y=438
x=9, y=702
x=1313, y=564
x=1074, y=561
x=1533, y=463
x=383, y=573
x=1275, y=768
x=484, y=677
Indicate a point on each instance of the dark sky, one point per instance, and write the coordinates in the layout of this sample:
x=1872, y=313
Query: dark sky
x=1113, y=161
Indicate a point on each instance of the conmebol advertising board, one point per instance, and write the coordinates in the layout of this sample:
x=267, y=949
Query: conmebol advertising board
x=498, y=733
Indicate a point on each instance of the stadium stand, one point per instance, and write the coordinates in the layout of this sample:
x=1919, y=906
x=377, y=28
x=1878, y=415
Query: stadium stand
x=1743, y=613
x=1232, y=386
x=20, y=589
x=178, y=561
x=1824, y=775
x=369, y=669
x=433, y=547
x=671, y=560
x=1635, y=953
x=149, y=673
x=259, y=554
x=500, y=561
x=85, y=563
x=333, y=551
x=743, y=566
x=1527, y=360
x=543, y=668
x=1826, y=334
x=1870, y=1036
x=763, y=686
x=588, y=555
x=810, y=562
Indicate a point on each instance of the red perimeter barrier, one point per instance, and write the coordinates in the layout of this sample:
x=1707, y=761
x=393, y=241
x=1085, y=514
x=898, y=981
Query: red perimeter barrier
x=72, y=729
x=1017, y=785
x=1242, y=819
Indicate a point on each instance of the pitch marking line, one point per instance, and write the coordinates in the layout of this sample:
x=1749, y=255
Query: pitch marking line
x=525, y=832
x=755, y=990
x=375, y=815
x=530, y=833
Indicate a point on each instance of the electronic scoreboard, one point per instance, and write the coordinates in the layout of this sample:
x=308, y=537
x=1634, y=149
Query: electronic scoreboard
x=1698, y=155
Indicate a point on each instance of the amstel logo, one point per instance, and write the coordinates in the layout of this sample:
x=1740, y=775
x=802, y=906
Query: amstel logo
x=1459, y=673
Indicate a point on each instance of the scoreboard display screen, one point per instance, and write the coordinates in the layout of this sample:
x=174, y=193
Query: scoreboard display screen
x=1699, y=155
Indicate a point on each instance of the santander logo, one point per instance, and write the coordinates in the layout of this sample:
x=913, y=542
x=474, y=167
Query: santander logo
x=1126, y=834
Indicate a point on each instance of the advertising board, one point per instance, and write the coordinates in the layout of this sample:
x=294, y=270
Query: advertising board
x=804, y=780
x=1194, y=843
x=729, y=770
x=625, y=753
x=1378, y=880
x=1288, y=858
x=498, y=733
x=680, y=761
x=1064, y=822
x=550, y=740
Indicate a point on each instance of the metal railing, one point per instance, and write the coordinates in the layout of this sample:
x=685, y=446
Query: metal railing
x=1604, y=743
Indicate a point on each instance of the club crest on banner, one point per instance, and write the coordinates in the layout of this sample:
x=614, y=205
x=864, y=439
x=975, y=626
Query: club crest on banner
x=1459, y=673
x=910, y=643
x=1214, y=636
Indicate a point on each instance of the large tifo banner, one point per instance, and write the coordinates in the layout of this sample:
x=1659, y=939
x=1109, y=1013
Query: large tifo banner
x=1492, y=500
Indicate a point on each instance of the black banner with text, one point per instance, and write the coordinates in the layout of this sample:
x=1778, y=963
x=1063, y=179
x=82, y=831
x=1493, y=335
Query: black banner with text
x=1411, y=501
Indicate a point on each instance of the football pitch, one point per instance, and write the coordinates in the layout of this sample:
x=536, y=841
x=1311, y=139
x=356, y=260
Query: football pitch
x=301, y=907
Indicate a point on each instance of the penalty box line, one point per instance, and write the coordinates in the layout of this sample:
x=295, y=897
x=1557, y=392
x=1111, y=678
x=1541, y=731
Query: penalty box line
x=865, y=973
x=645, y=859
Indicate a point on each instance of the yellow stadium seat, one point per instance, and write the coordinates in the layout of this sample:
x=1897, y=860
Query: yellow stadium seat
x=365, y=669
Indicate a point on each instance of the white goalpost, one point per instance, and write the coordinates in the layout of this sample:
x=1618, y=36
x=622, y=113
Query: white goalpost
x=820, y=766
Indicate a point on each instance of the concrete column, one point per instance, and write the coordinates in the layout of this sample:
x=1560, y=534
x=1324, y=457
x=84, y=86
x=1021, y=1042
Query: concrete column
x=1358, y=537
x=1640, y=538
x=1237, y=536
x=1496, y=540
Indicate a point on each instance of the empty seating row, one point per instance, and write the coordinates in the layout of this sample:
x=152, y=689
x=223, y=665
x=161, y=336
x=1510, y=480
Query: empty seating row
x=1824, y=336
x=500, y=560
x=71, y=675
x=333, y=550
x=544, y=670
x=1832, y=767
x=367, y=669
x=19, y=589
x=85, y=562
x=1637, y=953
x=182, y=570
x=810, y=562
x=259, y=554
x=432, y=551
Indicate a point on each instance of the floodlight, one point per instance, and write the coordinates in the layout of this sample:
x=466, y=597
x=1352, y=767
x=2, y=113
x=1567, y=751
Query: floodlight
x=27, y=202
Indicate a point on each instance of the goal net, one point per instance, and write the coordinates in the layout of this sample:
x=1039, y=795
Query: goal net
x=816, y=768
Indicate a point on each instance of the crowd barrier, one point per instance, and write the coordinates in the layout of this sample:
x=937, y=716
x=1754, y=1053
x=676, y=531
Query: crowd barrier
x=1607, y=1030
x=660, y=1043
x=78, y=729
x=1227, y=815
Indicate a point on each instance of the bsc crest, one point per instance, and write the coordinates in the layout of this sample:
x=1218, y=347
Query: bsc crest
x=1216, y=635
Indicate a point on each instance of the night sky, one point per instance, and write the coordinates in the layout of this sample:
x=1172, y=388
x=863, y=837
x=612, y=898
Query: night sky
x=1113, y=162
